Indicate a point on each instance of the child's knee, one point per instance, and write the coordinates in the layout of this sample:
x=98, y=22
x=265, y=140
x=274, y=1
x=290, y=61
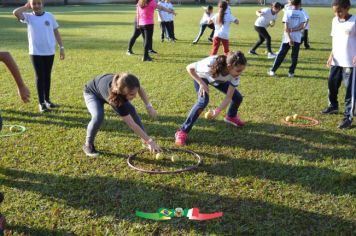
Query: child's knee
x=237, y=98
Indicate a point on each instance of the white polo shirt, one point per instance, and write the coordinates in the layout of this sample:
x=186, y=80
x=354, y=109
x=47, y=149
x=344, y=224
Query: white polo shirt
x=293, y=19
x=265, y=18
x=343, y=41
x=40, y=33
x=202, y=68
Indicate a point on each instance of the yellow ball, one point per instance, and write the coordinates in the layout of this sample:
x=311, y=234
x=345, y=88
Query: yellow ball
x=208, y=114
x=288, y=118
x=295, y=116
x=159, y=156
x=174, y=158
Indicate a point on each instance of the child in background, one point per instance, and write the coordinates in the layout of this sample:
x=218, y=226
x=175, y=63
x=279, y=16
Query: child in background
x=293, y=24
x=22, y=90
x=305, y=33
x=266, y=17
x=43, y=33
x=204, y=22
x=163, y=19
x=172, y=36
x=222, y=21
x=117, y=90
x=342, y=61
x=223, y=73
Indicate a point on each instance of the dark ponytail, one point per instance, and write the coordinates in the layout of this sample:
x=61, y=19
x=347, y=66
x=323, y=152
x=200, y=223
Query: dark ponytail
x=220, y=65
x=222, y=8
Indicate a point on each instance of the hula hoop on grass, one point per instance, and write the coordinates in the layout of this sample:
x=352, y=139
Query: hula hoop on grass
x=313, y=122
x=131, y=158
x=20, y=129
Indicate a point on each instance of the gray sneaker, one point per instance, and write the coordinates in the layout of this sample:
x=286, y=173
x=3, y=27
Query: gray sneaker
x=90, y=150
x=345, y=123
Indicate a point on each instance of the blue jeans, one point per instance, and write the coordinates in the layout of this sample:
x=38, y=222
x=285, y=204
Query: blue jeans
x=202, y=102
x=96, y=109
x=283, y=50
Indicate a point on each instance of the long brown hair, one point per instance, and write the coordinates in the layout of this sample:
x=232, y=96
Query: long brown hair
x=220, y=65
x=119, y=83
x=143, y=3
x=222, y=8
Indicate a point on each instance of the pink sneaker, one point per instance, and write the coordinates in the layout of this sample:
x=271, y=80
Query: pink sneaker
x=181, y=138
x=234, y=121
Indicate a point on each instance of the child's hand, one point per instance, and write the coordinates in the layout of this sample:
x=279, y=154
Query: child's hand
x=28, y=5
x=24, y=93
x=291, y=43
x=61, y=53
x=330, y=60
x=153, y=147
x=204, y=89
x=151, y=112
x=354, y=60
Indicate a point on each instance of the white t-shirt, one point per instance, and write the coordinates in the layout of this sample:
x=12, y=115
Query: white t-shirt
x=223, y=31
x=293, y=19
x=170, y=16
x=202, y=68
x=205, y=19
x=40, y=32
x=265, y=18
x=306, y=18
x=344, y=41
x=162, y=15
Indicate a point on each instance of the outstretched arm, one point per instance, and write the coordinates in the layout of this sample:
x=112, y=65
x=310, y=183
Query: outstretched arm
x=141, y=133
x=12, y=66
x=162, y=8
x=225, y=102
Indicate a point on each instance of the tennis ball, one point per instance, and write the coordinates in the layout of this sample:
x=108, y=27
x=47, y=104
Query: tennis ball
x=174, y=158
x=288, y=118
x=208, y=114
x=295, y=116
x=159, y=156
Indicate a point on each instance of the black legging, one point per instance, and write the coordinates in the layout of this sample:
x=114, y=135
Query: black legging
x=135, y=35
x=147, y=31
x=202, y=29
x=264, y=35
x=43, y=68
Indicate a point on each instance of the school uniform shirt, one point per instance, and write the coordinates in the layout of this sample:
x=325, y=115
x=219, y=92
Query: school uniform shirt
x=265, y=18
x=343, y=41
x=170, y=16
x=100, y=87
x=40, y=33
x=162, y=15
x=146, y=14
x=223, y=31
x=203, y=67
x=306, y=16
x=293, y=19
x=205, y=19
x=288, y=7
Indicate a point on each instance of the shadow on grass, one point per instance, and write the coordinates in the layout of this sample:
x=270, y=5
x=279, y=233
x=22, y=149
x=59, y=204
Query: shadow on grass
x=105, y=196
x=27, y=230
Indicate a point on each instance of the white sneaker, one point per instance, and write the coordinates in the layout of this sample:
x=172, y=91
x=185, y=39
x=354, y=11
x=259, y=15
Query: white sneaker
x=290, y=75
x=271, y=73
x=271, y=55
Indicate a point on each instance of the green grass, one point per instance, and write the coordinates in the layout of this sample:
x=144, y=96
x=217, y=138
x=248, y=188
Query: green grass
x=267, y=178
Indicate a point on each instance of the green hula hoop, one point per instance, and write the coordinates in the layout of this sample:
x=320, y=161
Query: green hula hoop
x=21, y=129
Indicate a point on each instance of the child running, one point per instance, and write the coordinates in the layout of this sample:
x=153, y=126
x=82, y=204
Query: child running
x=222, y=72
x=42, y=31
x=117, y=90
x=342, y=61
x=293, y=20
x=205, y=22
x=266, y=17
x=222, y=21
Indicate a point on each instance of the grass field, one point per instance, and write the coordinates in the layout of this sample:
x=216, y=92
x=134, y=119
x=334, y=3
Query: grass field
x=268, y=179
